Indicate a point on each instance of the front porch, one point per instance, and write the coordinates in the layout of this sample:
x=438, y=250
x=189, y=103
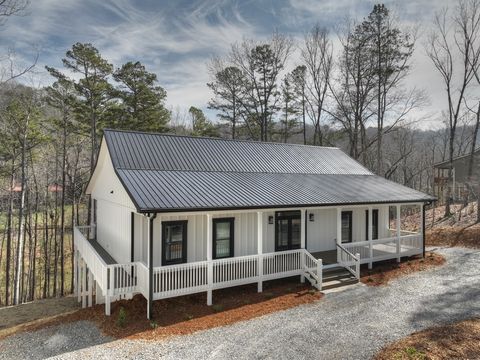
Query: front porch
x=98, y=272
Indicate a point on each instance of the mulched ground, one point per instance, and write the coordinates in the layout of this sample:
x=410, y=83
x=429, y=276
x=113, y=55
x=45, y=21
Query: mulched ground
x=468, y=236
x=383, y=272
x=455, y=341
x=187, y=314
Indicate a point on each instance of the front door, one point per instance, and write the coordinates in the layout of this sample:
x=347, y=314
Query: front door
x=287, y=230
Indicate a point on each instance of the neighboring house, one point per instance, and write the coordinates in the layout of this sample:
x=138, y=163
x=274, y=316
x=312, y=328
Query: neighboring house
x=460, y=185
x=175, y=215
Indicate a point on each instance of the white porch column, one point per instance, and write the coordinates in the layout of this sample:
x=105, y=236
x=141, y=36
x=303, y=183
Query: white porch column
x=302, y=243
x=398, y=214
x=84, y=284
x=209, y=259
x=422, y=226
x=99, y=298
x=370, y=236
x=339, y=231
x=107, y=291
x=79, y=279
x=90, y=288
x=75, y=272
x=260, y=250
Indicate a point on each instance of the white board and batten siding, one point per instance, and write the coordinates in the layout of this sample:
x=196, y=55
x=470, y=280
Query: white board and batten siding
x=114, y=208
x=245, y=226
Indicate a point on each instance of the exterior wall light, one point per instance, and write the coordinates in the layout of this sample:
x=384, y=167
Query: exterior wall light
x=270, y=220
x=311, y=217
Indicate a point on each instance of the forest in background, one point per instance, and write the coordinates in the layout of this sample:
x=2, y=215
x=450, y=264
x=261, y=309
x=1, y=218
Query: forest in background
x=353, y=96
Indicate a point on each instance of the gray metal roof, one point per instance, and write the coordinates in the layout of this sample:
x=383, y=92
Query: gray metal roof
x=176, y=173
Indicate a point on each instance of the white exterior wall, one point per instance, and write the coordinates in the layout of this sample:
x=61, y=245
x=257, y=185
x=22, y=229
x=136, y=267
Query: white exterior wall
x=321, y=233
x=245, y=240
x=114, y=208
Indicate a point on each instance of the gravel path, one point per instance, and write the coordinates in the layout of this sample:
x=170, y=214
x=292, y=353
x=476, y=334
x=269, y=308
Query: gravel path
x=352, y=324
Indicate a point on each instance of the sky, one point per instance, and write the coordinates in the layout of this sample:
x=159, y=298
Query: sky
x=176, y=39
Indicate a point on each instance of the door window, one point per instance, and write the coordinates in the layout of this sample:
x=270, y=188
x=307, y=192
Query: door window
x=287, y=230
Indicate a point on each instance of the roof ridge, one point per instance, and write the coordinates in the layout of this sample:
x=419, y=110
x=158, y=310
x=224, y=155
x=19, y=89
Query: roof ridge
x=219, y=139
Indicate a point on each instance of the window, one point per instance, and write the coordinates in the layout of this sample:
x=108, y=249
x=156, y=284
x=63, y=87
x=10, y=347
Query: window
x=223, y=233
x=346, y=226
x=174, y=242
x=374, y=224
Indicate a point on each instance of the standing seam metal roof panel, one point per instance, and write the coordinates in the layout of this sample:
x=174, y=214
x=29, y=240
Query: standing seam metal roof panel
x=175, y=173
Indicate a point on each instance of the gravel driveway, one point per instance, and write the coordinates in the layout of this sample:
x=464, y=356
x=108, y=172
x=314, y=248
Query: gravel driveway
x=352, y=324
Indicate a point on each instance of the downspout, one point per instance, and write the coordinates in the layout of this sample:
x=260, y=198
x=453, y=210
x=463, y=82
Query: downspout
x=132, y=237
x=423, y=225
x=151, y=217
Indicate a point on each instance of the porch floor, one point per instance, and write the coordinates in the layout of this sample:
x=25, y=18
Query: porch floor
x=328, y=257
x=109, y=260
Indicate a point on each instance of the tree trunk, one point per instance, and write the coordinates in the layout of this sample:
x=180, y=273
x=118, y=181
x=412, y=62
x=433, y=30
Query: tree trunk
x=62, y=209
x=9, y=234
x=21, y=221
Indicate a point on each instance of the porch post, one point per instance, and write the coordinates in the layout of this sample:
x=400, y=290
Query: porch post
x=398, y=231
x=75, y=272
x=302, y=244
x=209, y=259
x=79, y=279
x=370, y=236
x=422, y=225
x=90, y=288
x=339, y=231
x=84, y=284
x=260, y=250
x=151, y=218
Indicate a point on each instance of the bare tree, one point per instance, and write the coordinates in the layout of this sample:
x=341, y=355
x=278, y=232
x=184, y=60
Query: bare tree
x=454, y=50
x=317, y=55
x=261, y=64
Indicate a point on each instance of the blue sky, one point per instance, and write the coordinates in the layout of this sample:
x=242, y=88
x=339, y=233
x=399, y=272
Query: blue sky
x=175, y=39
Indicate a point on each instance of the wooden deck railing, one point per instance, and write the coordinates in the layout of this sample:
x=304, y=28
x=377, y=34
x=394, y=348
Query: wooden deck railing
x=389, y=248
x=119, y=280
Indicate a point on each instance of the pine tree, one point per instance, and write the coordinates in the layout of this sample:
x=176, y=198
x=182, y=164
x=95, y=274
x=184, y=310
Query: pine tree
x=227, y=86
x=94, y=89
x=201, y=126
x=142, y=100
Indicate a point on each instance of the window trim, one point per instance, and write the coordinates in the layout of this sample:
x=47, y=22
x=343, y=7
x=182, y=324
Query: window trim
x=350, y=225
x=184, y=224
x=374, y=226
x=215, y=221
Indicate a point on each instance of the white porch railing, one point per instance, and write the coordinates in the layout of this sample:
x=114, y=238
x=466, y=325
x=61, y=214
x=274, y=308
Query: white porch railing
x=388, y=248
x=181, y=279
x=95, y=263
x=349, y=261
x=119, y=280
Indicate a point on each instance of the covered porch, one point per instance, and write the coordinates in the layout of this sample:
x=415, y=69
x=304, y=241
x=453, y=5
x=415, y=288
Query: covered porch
x=263, y=246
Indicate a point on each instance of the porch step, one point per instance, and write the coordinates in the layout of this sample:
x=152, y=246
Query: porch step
x=337, y=277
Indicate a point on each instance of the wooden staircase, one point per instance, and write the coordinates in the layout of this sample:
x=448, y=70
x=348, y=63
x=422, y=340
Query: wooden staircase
x=333, y=276
x=336, y=277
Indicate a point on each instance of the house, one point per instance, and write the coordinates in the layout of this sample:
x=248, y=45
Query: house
x=460, y=184
x=176, y=215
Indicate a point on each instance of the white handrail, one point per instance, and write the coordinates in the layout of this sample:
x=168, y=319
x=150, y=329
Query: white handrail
x=349, y=261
